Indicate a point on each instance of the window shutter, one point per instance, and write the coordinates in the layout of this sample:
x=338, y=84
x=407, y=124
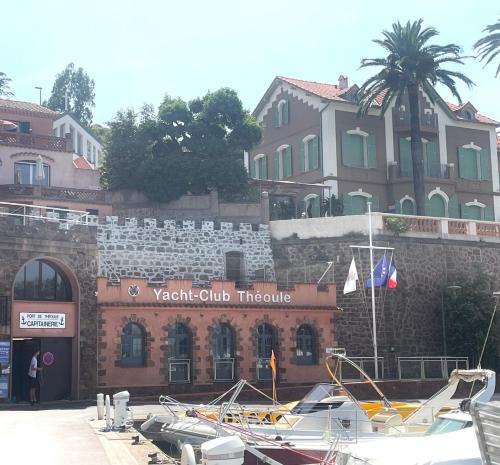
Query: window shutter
x=263, y=167
x=375, y=204
x=488, y=214
x=485, y=164
x=347, y=202
x=285, y=112
x=467, y=164
x=405, y=163
x=428, y=207
x=251, y=166
x=464, y=212
x=276, y=116
x=314, y=153
x=303, y=168
x=287, y=162
x=372, y=151
x=453, y=207
x=433, y=167
x=397, y=207
x=347, y=149
x=276, y=165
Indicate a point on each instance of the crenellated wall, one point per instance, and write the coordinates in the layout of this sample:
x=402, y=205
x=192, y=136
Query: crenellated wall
x=184, y=249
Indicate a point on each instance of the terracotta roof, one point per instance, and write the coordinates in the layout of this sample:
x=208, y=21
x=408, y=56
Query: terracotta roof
x=18, y=106
x=327, y=91
x=478, y=116
x=80, y=162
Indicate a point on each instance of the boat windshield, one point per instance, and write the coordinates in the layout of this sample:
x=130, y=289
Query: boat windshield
x=447, y=425
x=321, y=397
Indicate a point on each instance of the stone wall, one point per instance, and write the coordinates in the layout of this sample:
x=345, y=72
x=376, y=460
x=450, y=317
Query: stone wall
x=409, y=317
x=75, y=248
x=185, y=249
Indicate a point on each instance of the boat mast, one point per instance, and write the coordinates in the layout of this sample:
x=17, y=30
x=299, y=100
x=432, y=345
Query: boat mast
x=374, y=320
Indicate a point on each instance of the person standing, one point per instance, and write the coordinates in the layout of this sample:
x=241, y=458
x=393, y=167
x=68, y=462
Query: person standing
x=33, y=376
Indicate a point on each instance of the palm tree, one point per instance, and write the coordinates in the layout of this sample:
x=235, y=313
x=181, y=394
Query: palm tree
x=4, y=86
x=412, y=64
x=489, y=46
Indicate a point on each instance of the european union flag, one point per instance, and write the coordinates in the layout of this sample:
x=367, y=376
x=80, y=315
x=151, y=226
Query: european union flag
x=380, y=273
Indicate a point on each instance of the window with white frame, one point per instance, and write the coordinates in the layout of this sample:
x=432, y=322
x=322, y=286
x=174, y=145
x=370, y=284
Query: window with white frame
x=29, y=172
x=476, y=211
x=309, y=153
x=282, y=162
x=359, y=149
x=281, y=113
x=473, y=162
x=258, y=168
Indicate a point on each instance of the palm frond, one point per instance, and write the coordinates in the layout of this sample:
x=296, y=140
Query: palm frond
x=488, y=47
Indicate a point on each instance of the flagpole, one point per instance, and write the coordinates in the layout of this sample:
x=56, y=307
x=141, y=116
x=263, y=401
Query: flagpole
x=375, y=351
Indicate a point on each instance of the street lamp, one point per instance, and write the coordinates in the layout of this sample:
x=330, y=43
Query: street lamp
x=443, y=321
x=40, y=93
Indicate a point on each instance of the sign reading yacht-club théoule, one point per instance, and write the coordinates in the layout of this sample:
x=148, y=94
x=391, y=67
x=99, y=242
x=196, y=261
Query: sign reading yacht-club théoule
x=210, y=295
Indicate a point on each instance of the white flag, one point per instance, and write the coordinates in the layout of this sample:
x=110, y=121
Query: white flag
x=352, y=277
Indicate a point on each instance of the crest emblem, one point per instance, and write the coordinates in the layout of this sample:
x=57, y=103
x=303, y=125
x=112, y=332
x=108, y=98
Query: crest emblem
x=133, y=290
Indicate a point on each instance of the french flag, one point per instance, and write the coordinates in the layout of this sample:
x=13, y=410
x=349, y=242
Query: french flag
x=392, y=282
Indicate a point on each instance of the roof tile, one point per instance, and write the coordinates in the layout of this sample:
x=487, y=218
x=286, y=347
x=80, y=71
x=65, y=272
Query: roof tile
x=80, y=162
x=16, y=105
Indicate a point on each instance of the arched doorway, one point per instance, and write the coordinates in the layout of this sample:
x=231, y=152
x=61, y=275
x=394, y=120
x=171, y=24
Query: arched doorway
x=45, y=319
x=436, y=206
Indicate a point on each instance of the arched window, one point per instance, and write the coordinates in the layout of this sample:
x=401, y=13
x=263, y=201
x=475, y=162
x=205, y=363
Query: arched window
x=133, y=346
x=407, y=207
x=282, y=162
x=223, y=350
x=305, y=346
x=281, y=115
x=437, y=206
x=27, y=172
x=235, y=266
x=180, y=350
x=266, y=344
x=259, y=166
x=42, y=280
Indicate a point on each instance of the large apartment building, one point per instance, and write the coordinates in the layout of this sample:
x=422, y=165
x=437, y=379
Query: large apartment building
x=314, y=145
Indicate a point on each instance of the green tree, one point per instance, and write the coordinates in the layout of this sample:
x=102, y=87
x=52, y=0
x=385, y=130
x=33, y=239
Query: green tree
x=75, y=85
x=488, y=47
x=188, y=147
x=468, y=309
x=412, y=64
x=4, y=86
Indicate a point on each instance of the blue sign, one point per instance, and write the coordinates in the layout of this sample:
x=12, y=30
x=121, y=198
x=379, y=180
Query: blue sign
x=4, y=369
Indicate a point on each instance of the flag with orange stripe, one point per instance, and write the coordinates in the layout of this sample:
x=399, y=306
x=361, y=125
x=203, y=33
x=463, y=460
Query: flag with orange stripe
x=272, y=364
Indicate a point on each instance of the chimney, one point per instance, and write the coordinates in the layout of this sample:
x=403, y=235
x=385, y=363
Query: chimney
x=343, y=82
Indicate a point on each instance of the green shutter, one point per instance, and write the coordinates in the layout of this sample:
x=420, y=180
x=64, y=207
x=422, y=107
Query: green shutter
x=276, y=116
x=405, y=163
x=251, y=166
x=302, y=157
x=347, y=203
x=263, y=167
x=352, y=150
x=453, y=207
x=375, y=204
x=372, y=151
x=315, y=204
x=428, y=207
x=346, y=149
x=467, y=163
x=313, y=152
x=276, y=165
x=485, y=164
x=397, y=207
x=287, y=162
x=432, y=165
x=488, y=214
x=465, y=212
x=285, y=112
x=408, y=207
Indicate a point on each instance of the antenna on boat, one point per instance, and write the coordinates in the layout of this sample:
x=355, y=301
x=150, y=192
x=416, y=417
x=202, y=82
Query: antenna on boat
x=371, y=248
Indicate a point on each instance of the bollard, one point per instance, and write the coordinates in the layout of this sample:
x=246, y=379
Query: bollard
x=109, y=423
x=100, y=406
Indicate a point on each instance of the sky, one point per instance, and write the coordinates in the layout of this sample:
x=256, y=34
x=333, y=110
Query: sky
x=138, y=51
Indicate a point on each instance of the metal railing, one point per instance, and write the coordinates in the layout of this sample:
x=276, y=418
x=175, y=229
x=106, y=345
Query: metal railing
x=437, y=170
x=26, y=214
x=223, y=369
x=179, y=370
x=39, y=141
x=402, y=120
x=367, y=364
x=264, y=372
x=415, y=368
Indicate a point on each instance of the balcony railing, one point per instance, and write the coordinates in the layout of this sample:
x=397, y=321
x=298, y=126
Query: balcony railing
x=367, y=364
x=402, y=121
x=431, y=170
x=37, y=141
x=52, y=193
